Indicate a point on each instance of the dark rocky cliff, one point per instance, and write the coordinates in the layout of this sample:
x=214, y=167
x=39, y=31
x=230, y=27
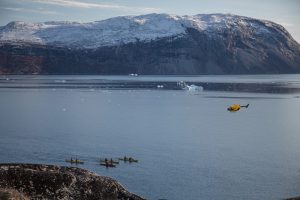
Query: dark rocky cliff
x=259, y=47
x=54, y=182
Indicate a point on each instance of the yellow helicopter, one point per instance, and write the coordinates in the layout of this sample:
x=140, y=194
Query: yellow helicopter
x=236, y=107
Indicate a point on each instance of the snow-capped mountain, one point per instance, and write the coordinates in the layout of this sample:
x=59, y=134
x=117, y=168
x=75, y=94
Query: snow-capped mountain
x=122, y=30
x=204, y=43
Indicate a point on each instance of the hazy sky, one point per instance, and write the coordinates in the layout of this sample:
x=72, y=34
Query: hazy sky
x=284, y=12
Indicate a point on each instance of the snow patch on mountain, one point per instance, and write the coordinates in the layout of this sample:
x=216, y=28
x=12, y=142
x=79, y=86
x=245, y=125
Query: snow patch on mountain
x=122, y=30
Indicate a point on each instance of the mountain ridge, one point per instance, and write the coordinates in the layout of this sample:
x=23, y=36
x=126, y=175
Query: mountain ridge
x=150, y=26
x=150, y=44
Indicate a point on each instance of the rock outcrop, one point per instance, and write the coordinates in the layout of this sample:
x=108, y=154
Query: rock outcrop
x=12, y=194
x=157, y=44
x=54, y=182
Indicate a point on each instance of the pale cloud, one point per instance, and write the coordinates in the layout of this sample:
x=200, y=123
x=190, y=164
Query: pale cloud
x=285, y=24
x=13, y=9
x=80, y=4
x=40, y=11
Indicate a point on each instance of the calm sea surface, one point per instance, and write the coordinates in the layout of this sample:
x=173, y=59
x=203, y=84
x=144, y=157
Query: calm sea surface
x=188, y=145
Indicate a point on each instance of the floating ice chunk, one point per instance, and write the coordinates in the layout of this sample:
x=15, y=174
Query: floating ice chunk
x=192, y=88
x=195, y=88
x=60, y=81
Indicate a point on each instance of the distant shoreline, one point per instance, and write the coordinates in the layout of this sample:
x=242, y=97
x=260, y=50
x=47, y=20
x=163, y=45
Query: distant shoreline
x=225, y=83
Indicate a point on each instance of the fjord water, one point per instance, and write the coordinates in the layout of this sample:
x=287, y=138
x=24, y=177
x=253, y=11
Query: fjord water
x=188, y=145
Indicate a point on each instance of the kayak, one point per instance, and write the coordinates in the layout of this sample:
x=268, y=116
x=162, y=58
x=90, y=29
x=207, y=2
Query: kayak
x=74, y=161
x=109, y=161
x=108, y=164
x=128, y=159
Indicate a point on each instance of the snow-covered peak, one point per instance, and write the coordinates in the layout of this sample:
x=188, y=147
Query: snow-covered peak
x=125, y=29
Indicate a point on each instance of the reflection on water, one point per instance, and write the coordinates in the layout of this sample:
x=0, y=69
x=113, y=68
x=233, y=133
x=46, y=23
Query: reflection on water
x=188, y=145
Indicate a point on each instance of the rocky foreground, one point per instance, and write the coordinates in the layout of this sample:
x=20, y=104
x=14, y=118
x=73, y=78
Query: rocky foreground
x=33, y=181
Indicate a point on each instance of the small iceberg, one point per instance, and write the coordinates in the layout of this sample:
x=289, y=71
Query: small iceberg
x=192, y=88
x=60, y=81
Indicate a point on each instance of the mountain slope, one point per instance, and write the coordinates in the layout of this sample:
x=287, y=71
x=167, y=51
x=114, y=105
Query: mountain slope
x=150, y=44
